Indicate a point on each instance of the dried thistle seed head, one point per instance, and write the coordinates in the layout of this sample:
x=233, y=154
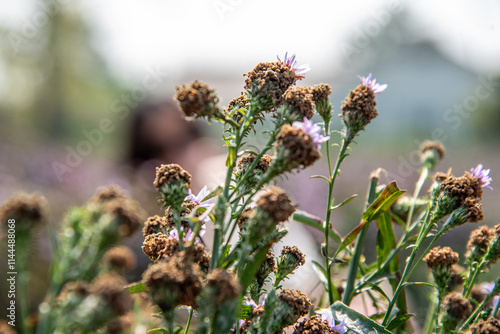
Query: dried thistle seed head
x=490, y=326
x=268, y=82
x=431, y=153
x=276, y=204
x=127, y=212
x=260, y=169
x=473, y=210
x=110, y=288
x=120, y=258
x=235, y=104
x=197, y=100
x=173, y=182
x=457, y=306
x=108, y=193
x=28, y=210
x=159, y=245
x=245, y=216
x=267, y=267
x=297, y=301
x=321, y=91
x=295, y=148
x=223, y=285
x=313, y=325
x=478, y=243
x=172, y=282
x=299, y=101
x=477, y=294
x=155, y=224
x=358, y=109
x=441, y=257
x=293, y=255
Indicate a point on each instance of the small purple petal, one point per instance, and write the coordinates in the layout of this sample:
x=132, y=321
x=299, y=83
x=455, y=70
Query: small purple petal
x=376, y=87
x=300, y=71
x=312, y=130
x=326, y=314
x=341, y=327
x=198, y=199
x=482, y=175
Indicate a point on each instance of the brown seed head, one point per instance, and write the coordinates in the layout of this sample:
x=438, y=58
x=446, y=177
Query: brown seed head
x=155, y=224
x=270, y=80
x=300, y=101
x=261, y=167
x=174, y=280
x=245, y=215
x=127, y=212
x=299, y=148
x=313, y=325
x=321, y=91
x=110, y=287
x=105, y=194
x=171, y=174
x=457, y=306
x=298, y=301
x=441, y=257
x=490, y=326
x=480, y=238
x=358, y=109
x=121, y=258
x=432, y=146
x=197, y=100
x=224, y=284
x=32, y=207
x=159, y=245
x=295, y=253
x=276, y=203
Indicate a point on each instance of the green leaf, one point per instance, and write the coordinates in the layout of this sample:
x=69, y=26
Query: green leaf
x=216, y=192
x=321, y=273
x=231, y=156
x=386, y=198
x=399, y=321
x=419, y=283
x=320, y=177
x=135, y=287
x=248, y=274
x=355, y=321
x=344, y=202
x=157, y=330
x=310, y=220
x=379, y=290
x=386, y=242
x=382, y=203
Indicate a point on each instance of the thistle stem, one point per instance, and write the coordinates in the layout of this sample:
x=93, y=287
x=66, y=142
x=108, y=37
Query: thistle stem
x=186, y=330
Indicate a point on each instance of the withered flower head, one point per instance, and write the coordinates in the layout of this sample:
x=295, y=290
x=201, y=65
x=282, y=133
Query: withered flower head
x=260, y=168
x=276, y=203
x=28, y=210
x=300, y=103
x=490, y=326
x=173, y=282
x=159, y=245
x=155, y=224
x=295, y=148
x=441, y=257
x=320, y=95
x=313, y=325
x=431, y=152
x=297, y=301
x=120, y=258
x=457, y=306
x=268, y=82
x=235, y=104
x=127, y=212
x=478, y=243
x=358, y=109
x=321, y=91
x=105, y=194
x=243, y=220
x=197, y=100
x=173, y=182
x=223, y=285
x=293, y=254
x=110, y=288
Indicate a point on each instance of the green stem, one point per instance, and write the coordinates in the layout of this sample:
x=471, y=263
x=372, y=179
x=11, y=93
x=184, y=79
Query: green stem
x=424, y=231
x=418, y=188
x=186, y=330
x=354, y=263
x=470, y=282
x=432, y=317
x=331, y=184
x=475, y=313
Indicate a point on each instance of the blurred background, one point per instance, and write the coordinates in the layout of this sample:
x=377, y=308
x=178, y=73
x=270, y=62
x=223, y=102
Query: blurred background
x=86, y=93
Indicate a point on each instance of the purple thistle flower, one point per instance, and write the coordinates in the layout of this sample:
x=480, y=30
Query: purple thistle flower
x=188, y=236
x=482, y=176
x=312, y=130
x=376, y=87
x=300, y=71
x=198, y=199
x=326, y=314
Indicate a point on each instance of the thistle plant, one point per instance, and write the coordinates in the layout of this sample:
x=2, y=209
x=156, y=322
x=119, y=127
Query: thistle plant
x=235, y=283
